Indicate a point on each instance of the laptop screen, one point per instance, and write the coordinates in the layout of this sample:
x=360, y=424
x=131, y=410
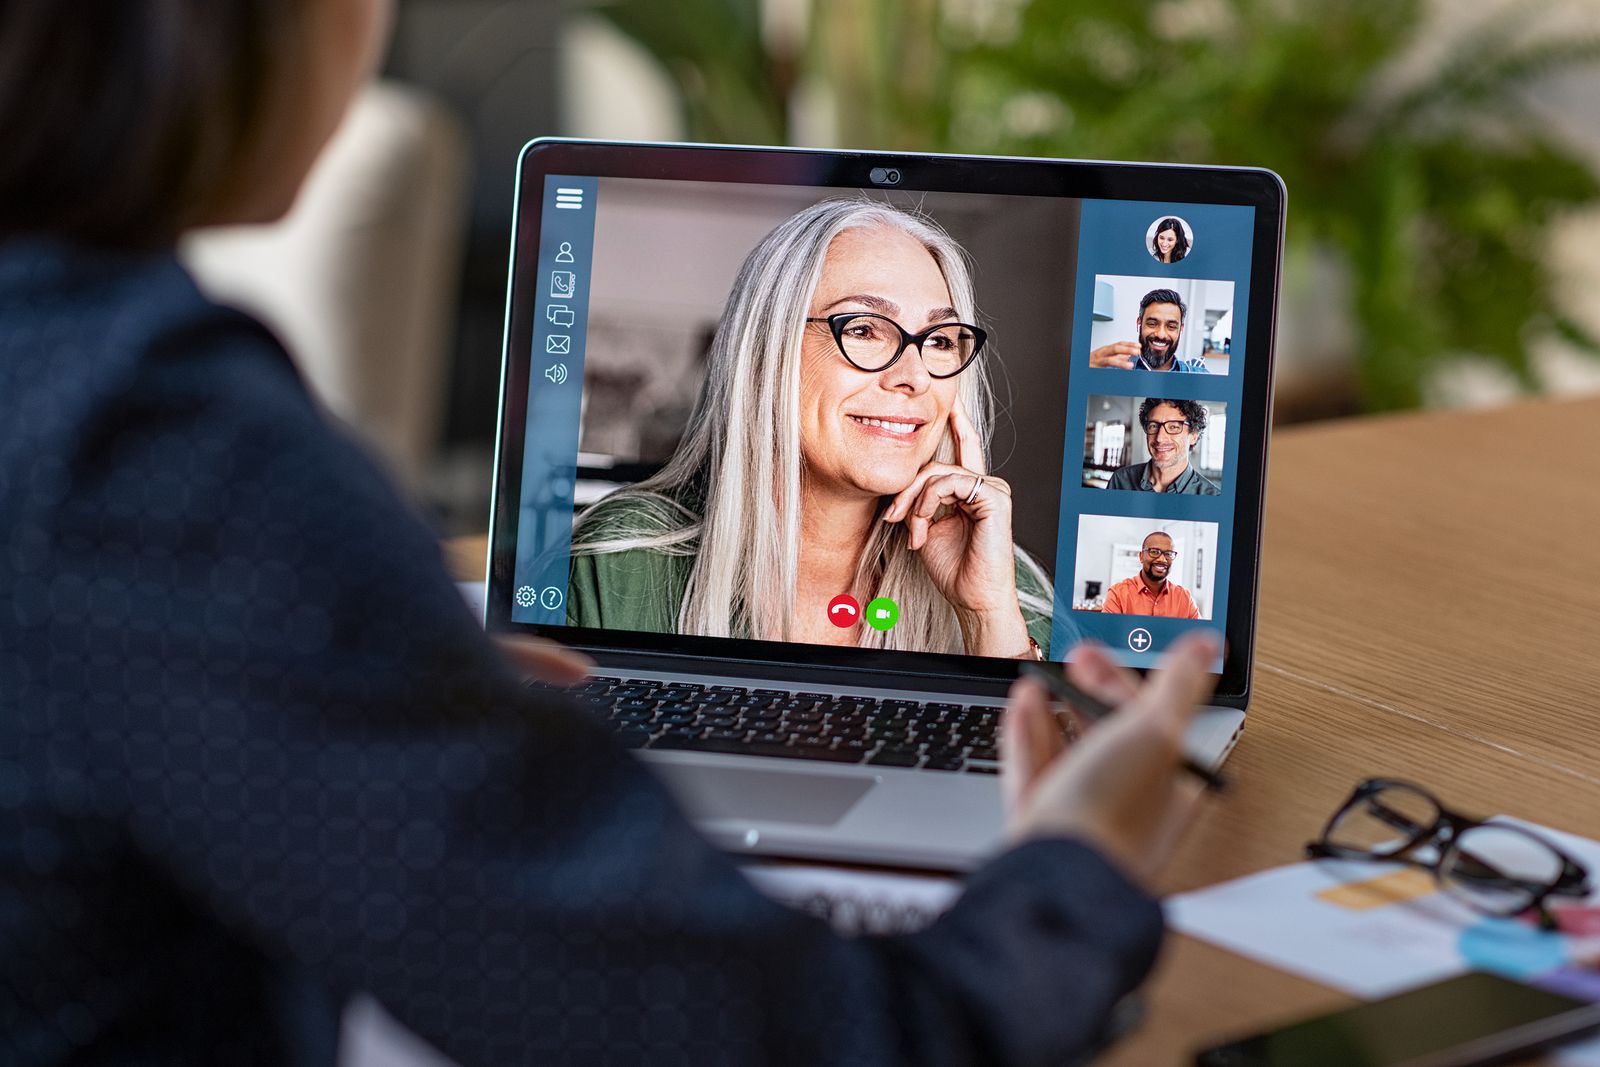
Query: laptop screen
x=932, y=422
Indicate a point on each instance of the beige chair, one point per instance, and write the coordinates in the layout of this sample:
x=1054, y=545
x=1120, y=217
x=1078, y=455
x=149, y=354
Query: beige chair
x=360, y=281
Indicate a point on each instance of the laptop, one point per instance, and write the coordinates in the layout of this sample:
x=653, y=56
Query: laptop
x=811, y=450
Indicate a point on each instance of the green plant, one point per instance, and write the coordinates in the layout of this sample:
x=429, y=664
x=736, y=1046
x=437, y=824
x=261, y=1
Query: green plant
x=1428, y=176
x=732, y=87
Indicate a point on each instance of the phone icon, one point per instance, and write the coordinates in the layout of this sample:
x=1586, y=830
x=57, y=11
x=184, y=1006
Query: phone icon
x=563, y=284
x=843, y=610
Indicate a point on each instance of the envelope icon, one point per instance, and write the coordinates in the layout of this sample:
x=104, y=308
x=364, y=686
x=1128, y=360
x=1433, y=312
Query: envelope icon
x=558, y=343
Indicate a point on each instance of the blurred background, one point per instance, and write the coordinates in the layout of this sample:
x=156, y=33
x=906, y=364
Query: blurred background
x=1441, y=157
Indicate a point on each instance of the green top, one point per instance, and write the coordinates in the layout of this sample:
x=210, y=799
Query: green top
x=643, y=588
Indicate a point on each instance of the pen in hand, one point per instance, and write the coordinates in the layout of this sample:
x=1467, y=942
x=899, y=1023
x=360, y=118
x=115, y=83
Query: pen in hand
x=1095, y=709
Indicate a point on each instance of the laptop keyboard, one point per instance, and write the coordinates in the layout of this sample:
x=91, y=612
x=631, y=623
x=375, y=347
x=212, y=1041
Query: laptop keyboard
x=649, y=713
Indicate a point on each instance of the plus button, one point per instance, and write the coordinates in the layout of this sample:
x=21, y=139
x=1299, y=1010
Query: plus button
x=1140, y=639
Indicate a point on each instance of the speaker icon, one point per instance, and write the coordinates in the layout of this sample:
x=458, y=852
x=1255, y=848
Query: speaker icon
x=557, y=374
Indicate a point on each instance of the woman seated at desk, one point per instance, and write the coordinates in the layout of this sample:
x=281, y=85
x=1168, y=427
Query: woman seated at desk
x=256, y=756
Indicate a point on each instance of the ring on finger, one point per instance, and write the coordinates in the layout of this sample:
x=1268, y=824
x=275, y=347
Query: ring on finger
x=976, y=485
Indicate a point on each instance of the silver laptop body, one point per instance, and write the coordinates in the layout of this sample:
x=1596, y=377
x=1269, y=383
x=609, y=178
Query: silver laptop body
x=593, y=222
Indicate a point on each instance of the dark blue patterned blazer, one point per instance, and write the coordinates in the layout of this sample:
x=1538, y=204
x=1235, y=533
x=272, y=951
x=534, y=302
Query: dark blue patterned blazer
x=256, y=756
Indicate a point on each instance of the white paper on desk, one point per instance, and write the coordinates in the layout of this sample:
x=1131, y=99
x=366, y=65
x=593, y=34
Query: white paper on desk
x=857, y=902
x=1277, y=918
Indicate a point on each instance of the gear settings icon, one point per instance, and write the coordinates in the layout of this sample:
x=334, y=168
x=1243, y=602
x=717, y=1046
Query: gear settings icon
x=527, y=596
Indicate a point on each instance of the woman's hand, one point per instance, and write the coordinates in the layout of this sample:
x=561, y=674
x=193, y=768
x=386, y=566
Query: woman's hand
x=968, y=552
x=1120, y=787
x=545, y=659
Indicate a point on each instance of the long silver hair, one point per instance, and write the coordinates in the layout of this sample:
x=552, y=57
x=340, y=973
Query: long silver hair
x=740, y=459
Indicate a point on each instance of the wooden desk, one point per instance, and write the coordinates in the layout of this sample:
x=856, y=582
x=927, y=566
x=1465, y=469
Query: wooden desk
x=1429, y=610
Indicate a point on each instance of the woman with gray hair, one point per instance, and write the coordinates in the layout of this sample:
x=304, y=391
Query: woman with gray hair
x=838, y=446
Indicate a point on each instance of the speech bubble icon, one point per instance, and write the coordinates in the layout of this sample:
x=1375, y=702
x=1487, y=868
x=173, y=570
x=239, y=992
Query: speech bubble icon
x=560, y=315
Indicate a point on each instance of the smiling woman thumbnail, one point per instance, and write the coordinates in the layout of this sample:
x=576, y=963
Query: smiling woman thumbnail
x=1170, y=242
x=838, y=446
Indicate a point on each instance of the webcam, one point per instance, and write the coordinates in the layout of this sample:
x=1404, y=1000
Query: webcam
x=885, y=176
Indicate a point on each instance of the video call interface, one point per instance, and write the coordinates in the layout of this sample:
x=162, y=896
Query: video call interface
x=955, y=423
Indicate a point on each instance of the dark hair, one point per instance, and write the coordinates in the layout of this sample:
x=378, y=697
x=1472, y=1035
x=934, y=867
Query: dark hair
x=1164, y=296
x=1192, y=410
x=123, y=121
x=1180, y=248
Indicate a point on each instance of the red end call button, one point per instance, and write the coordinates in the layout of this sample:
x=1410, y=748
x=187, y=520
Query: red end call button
x=844, y=611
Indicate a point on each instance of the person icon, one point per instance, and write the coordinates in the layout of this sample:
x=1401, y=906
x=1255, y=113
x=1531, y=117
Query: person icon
x=1169, y=239
x=564, y=253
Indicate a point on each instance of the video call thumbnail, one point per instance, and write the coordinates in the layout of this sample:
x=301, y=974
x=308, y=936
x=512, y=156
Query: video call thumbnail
x=1163, y=568
x=1162, y=324
x=1169, y=239
x=1155, y=444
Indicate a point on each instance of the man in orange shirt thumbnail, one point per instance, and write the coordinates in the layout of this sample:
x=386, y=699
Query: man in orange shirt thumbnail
x=1149, y=592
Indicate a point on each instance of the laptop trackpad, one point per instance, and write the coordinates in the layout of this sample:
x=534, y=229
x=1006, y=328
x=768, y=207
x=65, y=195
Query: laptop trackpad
x=736, y=793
